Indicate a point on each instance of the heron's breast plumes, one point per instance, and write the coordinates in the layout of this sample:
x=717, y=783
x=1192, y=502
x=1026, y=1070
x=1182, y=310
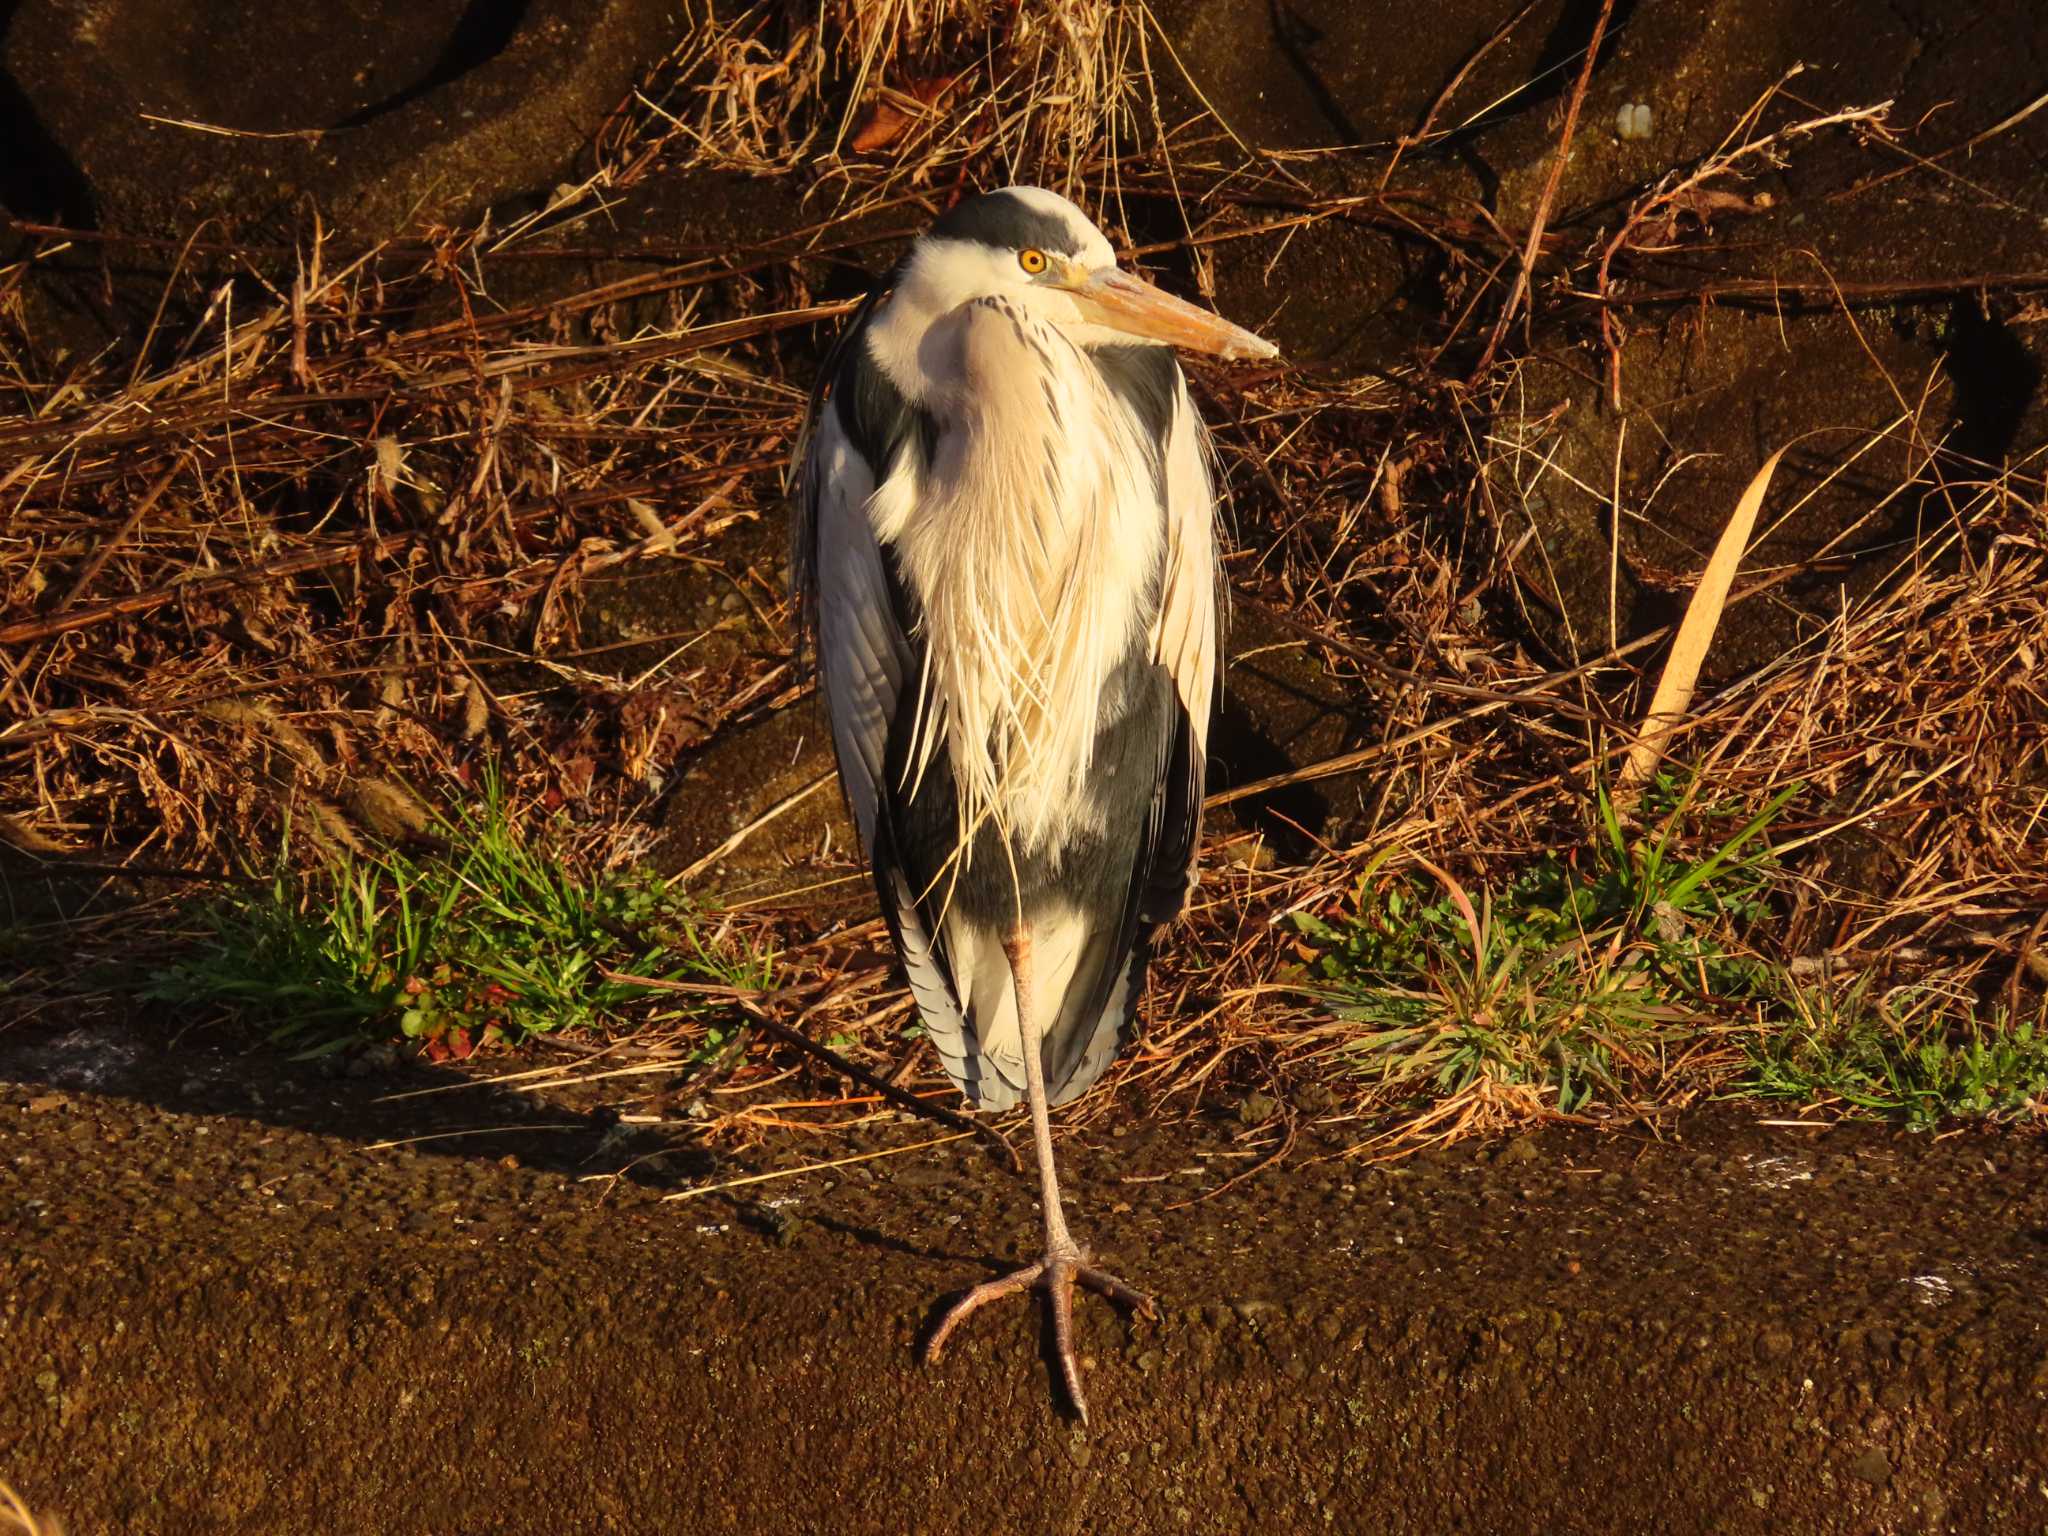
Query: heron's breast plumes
x=1033, y=549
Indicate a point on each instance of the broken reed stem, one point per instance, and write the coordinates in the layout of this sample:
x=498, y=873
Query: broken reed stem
x=26, y=631
x=1696, y=633
x=787, y=803
x=1775, y=295
x=1408, y=141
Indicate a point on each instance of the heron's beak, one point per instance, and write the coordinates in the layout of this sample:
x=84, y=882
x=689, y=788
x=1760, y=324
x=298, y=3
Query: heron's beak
x=1129, y=304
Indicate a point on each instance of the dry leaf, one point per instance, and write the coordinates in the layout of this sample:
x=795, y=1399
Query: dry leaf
x=476, y=711
x=889, y=116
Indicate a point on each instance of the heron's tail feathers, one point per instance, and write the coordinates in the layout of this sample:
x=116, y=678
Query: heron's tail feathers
x=1087, y=983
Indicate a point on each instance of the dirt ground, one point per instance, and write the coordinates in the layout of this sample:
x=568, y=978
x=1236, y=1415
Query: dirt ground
x=240, y=1297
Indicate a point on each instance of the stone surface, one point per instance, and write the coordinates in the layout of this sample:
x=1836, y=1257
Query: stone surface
x=377, y=114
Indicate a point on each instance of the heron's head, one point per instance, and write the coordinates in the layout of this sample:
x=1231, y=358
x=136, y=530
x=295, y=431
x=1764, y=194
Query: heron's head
x=1041, y=252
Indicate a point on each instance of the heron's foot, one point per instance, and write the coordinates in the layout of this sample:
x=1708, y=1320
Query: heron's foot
x=1056, y=1274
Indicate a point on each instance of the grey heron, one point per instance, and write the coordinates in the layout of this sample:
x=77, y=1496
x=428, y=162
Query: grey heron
x=1006, y=563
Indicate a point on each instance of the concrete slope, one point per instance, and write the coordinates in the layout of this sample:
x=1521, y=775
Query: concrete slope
x=224, y=1307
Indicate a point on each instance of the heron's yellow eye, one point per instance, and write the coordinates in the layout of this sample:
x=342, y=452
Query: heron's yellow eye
x=1031, y=261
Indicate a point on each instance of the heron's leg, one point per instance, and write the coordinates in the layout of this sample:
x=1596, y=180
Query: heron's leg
x=1059, y=1242
x=1064, y=1263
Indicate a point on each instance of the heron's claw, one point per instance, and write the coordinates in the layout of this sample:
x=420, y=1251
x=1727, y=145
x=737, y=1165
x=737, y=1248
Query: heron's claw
x=1057, y=1276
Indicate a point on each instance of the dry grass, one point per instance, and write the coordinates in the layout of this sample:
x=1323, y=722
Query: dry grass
x=877, y=98
x=17, y=1519
x=314, y=555
x=323, y=542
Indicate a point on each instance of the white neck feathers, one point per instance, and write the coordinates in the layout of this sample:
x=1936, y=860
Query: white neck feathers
x=1032, y=546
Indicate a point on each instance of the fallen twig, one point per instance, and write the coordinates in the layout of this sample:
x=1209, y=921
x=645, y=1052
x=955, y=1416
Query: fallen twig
x=831, y=1058
x=1541, y=216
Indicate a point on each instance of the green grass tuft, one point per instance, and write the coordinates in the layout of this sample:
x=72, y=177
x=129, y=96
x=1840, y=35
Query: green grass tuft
x=1565, y=985
x=1584, y=978
x=498, y=937
x=1923, y=1054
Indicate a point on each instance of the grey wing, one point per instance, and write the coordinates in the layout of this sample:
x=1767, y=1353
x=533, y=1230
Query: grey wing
x=866, y=659
x=863, y=653
x=1185, y=640
x=1185, y=637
